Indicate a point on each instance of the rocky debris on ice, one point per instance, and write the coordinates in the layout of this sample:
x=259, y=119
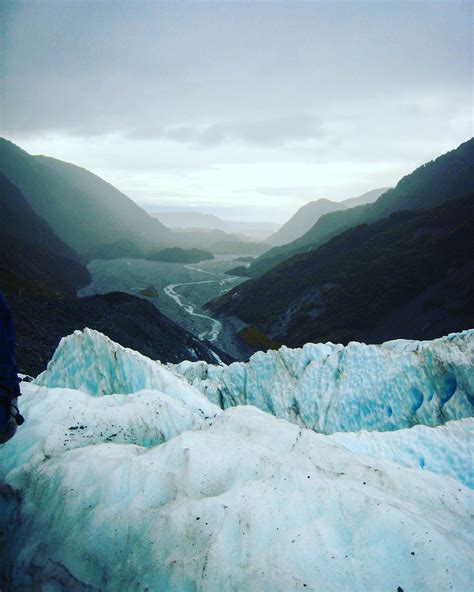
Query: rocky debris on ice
x=331, y=388
x=135, y=492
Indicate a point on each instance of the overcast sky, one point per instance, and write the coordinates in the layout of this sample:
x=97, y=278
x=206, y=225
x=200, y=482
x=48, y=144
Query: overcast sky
x=248, y=110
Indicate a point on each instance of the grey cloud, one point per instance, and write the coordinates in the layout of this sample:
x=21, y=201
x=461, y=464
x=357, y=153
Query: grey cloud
x=97, y=67
x=360, y=91
x=270, y=132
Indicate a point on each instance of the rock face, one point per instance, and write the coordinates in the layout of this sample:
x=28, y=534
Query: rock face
x=125, y=477
x=331, y=388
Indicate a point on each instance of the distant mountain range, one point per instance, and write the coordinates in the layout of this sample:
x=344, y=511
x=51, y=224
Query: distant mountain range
x=310, y=213
x=448, y=177
x=191, y=220
x=397, y=272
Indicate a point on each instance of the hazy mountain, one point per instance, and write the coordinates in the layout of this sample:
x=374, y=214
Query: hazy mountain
x=95, y=218
x=303, y=219
x=191, y=220
x=365, y=198
x=310, y=213
x=83, y=210
x=410, y=275
x=447, y=177
x=32, y=257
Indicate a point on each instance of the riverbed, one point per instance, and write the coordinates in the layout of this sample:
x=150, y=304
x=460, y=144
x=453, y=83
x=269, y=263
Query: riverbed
x=182, y=290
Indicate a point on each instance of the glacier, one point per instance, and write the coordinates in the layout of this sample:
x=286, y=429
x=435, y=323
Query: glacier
x=126, y=477
x=91, y=362
x=331, y=388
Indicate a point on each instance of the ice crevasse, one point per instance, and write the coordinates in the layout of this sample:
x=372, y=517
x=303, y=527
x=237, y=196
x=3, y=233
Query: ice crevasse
x=126, y=477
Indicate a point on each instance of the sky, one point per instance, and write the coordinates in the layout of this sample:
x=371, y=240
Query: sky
x=244, y=109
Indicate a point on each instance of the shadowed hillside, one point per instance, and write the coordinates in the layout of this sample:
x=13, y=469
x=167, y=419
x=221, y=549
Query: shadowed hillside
x=449, y=176
x=409, y=275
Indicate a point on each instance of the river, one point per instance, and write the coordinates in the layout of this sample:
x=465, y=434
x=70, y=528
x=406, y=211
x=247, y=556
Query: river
x=181, y=289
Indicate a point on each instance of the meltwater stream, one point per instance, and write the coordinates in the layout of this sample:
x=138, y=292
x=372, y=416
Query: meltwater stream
x=212, y=333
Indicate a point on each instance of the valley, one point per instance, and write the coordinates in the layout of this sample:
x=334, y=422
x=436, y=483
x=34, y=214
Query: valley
x=181, y=291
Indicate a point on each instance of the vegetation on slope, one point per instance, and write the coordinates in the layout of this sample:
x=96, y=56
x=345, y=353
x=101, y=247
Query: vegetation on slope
x=449, y=176
x=346, y=288
x=83, y=210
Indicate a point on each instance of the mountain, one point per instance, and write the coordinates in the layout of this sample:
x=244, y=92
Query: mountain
x=310, y=213
x=409, y=275
x=365, y=198
x=33, y=259
x=303, y=220
x=247, y=501
x=447, y=177
x=40, y=274
x=193, y=220
x=85, y=212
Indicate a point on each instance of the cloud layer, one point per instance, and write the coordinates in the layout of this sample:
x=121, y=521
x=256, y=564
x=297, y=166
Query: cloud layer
x=213, y=100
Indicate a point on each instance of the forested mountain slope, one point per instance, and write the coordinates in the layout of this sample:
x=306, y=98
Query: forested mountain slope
x=449, y=176
x=84, y=211
x=409, y=275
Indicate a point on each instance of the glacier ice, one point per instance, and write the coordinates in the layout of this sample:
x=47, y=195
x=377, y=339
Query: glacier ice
x=447, y=450
x=242, y=502
x=91, y=362
x=331, y=388
x=124, y=477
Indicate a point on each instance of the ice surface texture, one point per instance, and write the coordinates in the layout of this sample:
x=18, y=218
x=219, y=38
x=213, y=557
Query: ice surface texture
x=447, y=450
x=331, y=388
x=91, y=362
x=157, y=489
x=246, y=503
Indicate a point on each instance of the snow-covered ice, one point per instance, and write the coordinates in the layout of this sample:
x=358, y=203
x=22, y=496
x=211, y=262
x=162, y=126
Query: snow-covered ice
x=331, y=388
x=125, y=478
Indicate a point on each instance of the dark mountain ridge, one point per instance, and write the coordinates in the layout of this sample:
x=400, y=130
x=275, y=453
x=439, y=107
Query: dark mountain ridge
x=449, y=176
x=409, y=275
x=33, y=258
